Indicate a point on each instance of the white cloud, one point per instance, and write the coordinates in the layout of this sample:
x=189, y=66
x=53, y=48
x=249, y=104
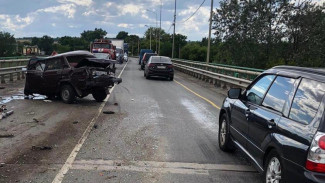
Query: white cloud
x=77, y=2
x=68, y=10
x=108, y=4
x=15, y=22
x=53, y=25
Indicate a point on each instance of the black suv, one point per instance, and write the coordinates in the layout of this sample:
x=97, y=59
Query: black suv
x=70, y=75
x=278, y=121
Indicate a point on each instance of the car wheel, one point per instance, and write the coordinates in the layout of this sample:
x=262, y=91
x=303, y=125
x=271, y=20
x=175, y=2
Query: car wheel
x=147, y=76
x=99, y=94
x=67, y=94
x=273, y=168
x=225, y=143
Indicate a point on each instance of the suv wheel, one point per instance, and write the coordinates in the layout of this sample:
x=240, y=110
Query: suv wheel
x=99, y=94
x=273, y=168
x=67, y=94
x=225, y=142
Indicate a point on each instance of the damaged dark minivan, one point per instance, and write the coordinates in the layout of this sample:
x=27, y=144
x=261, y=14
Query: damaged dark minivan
x=70, y=75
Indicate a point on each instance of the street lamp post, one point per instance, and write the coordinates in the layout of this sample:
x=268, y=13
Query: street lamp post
x=150, y=34
x=154, y=12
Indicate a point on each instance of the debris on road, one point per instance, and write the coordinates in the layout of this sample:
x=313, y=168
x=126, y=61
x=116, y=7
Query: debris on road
x=41, y=148
x=35, y=120
x=4, y=114
x=2, y=87
x=132, y=99
x=3, y=108
x=110, y=177
x=47, y=101
x=6, y=135
x=31, y=113
x=75, y=122
x=109, y=112
x=2, y=164
x=115, y=103
x=95, y=126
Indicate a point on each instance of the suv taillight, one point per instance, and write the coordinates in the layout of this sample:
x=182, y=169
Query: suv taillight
x=316, y=155
x=152, y=65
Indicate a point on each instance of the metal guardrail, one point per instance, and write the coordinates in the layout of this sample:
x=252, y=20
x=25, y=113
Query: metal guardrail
x=217, y=74
x=10, y=72
x=13, y=63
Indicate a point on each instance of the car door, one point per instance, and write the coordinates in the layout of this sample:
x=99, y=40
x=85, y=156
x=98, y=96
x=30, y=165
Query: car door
x=241, y=109
x=34, y=77
x=52, y=74
x=263, y=118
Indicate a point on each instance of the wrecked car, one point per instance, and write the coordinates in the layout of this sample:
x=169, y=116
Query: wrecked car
x=70, y=75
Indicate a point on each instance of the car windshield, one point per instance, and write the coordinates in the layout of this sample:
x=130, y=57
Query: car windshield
x=107, y=46
x=155, y=59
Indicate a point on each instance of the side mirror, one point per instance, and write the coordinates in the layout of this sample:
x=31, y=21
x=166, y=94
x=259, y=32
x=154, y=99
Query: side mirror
x=234, y=93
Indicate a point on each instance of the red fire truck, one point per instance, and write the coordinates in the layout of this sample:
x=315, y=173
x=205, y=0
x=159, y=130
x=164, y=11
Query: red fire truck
x=103, y=46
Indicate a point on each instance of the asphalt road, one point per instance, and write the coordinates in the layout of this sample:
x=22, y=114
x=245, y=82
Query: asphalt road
x=161, y=131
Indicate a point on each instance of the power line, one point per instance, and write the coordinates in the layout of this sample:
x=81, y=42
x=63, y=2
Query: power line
x=170, y=27
x=193, y=13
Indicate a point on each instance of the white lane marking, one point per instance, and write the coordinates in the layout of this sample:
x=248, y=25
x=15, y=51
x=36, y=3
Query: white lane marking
x=68, y=163
x=161, y=167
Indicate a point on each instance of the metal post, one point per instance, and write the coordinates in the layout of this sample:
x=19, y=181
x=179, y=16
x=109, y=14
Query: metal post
x=174, y=31
x=209, y=39
x=160, y=28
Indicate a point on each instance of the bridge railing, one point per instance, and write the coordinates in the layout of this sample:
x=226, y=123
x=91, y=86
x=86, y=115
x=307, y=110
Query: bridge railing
x=219, y=74
x=12, y=68
x=13, y=62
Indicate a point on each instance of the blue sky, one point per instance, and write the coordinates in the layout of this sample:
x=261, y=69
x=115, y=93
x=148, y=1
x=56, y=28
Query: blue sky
x=58, y=18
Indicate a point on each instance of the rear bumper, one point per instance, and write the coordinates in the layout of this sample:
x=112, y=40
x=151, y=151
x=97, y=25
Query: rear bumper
x=161, y=73
x=296, y=173
x=103, y=81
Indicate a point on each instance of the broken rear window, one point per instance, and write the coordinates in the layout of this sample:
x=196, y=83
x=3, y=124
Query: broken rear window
x=74, y=60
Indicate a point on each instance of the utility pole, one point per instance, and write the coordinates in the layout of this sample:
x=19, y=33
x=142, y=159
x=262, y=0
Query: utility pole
x=160, y=27
x=174, y=32
x=209, y=39
x=150, y=34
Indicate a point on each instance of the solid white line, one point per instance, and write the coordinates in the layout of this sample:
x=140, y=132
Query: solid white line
x=68, y=163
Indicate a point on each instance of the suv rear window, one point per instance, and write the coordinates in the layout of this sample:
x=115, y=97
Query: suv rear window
x=74, y=60
x=307, y=100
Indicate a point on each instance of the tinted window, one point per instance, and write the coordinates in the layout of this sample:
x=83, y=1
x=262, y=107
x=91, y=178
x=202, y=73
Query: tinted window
x=307, y=100
x=160, y=60
x=256, y=92
x=278, y=95
x=107, y=46
x=54, y=64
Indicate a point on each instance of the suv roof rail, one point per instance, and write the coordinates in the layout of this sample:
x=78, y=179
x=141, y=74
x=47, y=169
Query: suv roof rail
x=319, y=71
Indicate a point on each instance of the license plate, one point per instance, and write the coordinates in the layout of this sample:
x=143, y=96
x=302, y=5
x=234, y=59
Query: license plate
x=99, y=73
x=161, y=67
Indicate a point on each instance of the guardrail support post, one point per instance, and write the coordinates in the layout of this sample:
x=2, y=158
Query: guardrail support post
x=11, y=77
x=18, y=75
x=3, y=81
x=23, y=75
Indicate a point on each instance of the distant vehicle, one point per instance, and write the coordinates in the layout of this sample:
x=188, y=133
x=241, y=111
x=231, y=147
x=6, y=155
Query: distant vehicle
x=70, y=75
x=103, y=46
x=142, y=52
x=145, y=58
x=125, y=57
x=119, y=55
x=279, y=122
x=119, y=43
x=159, y=66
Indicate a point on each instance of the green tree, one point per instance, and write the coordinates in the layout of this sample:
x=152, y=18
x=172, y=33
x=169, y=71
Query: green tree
x=91, y=35
x=122, y=35
x=7, y=44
